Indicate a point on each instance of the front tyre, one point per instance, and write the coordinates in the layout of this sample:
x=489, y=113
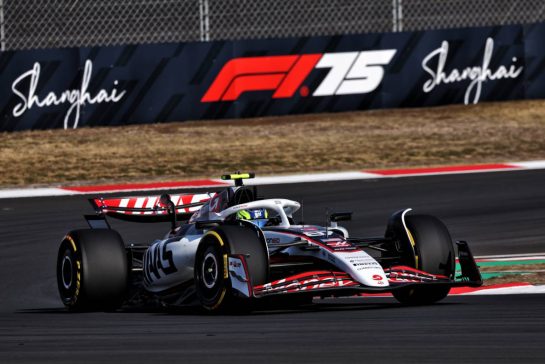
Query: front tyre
x=92, y=270
x=434, y=253
x=212, y=282
x=210, y=279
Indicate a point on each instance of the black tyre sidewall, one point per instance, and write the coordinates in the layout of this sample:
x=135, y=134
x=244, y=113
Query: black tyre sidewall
x=69, y=295
x=231, y=240
x=435, y=251
x=433, y=245
x=103, y=270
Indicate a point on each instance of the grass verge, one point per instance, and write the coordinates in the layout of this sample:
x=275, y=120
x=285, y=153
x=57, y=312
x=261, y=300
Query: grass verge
x=489, y=132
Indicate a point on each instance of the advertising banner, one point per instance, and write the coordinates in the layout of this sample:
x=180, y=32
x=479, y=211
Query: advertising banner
x=155, y=83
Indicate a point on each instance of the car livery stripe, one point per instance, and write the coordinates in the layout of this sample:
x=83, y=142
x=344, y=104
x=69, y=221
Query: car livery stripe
x=403, y=274
x=306, y=282
x=314, y=241
x=151, y=203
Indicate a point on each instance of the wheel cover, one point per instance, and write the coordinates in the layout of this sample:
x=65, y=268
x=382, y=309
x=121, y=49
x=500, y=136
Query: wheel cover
x=209, y=270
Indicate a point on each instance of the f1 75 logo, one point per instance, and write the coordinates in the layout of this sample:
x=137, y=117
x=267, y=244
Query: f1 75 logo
x=350, y=73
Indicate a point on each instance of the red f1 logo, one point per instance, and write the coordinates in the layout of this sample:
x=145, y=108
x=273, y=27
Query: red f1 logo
x=350, y=73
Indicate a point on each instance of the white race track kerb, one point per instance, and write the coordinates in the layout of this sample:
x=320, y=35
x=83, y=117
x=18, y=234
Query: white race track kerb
x=299, y=178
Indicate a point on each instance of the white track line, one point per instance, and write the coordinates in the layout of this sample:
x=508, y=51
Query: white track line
x=529, y=255
x=510, y=257
x=529, y=164
x=35, y=192
x=317, y=177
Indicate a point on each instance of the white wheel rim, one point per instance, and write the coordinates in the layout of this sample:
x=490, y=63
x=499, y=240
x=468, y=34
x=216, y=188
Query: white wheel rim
x=66, y=271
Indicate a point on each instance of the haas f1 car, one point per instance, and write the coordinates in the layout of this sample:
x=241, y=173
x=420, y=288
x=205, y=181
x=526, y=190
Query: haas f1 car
x=234, y=249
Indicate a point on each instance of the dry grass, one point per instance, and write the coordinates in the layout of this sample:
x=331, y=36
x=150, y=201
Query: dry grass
x=532, y=278
x=534, y=273
x=482, y=133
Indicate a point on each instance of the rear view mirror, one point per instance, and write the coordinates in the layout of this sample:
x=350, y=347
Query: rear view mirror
x=165, y=201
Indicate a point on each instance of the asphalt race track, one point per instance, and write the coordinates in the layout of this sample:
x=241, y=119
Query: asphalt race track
x=498, y=213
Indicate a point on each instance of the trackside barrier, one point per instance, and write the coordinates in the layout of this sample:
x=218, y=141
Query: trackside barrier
x=153, y=83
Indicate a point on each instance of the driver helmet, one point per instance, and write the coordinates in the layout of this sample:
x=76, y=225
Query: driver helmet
x=257, y=216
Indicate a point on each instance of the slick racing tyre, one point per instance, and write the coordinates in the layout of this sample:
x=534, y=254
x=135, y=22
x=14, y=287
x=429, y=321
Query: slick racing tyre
x=434, y=254
x=92, y=270
x=211, y=272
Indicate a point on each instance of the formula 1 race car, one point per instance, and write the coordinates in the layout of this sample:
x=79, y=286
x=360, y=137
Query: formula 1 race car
x=234, y=250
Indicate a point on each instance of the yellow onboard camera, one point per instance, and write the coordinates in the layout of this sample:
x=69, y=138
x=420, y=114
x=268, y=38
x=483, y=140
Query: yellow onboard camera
x=238, y=177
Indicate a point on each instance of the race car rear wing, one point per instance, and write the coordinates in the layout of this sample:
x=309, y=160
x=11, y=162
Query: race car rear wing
x=150, y=208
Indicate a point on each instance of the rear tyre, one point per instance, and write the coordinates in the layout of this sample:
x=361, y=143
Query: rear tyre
x=212, y=282
x=434, y=253
x=92, y=270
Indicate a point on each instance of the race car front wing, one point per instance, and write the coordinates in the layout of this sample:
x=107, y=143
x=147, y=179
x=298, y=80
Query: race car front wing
x=336, y=283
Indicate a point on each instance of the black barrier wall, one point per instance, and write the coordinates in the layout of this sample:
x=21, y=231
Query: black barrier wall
x=75, y=87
